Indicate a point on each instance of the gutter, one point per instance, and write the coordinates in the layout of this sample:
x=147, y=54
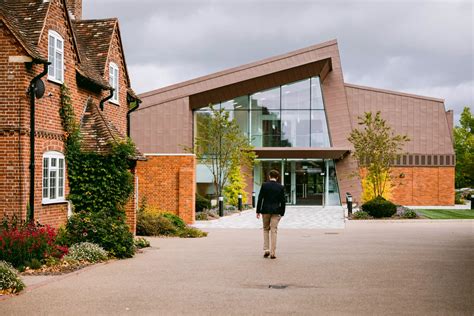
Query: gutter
x=31, y=92
x=138, y=101
x=101, y=104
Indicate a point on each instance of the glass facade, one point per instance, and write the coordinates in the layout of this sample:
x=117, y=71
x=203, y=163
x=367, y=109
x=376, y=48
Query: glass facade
x=290, y=115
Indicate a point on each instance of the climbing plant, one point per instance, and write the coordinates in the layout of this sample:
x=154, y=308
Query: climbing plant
x=99, y=187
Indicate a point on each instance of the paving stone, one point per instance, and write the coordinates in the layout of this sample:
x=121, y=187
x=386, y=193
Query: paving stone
x=296, y=217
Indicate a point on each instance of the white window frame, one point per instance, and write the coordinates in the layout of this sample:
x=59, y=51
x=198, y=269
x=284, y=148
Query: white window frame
x=54, y=53
x=53, y=187
x=114, y=82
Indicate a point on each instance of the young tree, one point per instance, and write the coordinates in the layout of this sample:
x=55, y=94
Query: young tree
x=464, y=148
x=220, y=144
x=375, y=149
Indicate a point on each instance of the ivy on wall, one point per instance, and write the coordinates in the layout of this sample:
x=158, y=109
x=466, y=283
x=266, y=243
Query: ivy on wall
x=99, y=187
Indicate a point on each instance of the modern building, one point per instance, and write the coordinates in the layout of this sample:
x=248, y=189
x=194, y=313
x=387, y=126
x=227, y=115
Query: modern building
x=85, y=55
x=297, y=111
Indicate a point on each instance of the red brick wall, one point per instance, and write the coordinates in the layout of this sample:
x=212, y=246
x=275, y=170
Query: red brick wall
x=15, y=122
x=423, y=185
x=168, y=183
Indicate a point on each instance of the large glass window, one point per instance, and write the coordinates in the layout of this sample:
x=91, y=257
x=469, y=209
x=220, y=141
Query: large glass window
x=55, y=57
x=291, y=115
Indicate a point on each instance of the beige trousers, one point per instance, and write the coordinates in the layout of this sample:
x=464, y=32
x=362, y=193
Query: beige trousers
x=270, y=226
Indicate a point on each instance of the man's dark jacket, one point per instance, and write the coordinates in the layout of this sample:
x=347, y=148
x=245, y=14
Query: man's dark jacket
x=271, y=199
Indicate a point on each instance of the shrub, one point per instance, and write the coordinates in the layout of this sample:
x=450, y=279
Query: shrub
x=202, y=203
x=202, y=216
x=175, y=220
x=361, y=215
x=141, y=242
x=9, y=280
x=153, y=223
x=86, y=251
x=21, y=242
x=379, y=207
x=108, y=231
x=458, y=198
x=410, y=214
x=191, y=232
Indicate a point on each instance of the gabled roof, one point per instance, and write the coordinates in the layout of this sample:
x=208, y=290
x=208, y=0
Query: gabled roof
x=98, y=133
x=94, y=38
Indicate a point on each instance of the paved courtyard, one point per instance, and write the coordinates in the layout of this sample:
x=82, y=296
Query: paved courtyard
x=368, y=268
x=301, y=217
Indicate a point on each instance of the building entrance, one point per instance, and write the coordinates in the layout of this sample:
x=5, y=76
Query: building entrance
x=306, y=182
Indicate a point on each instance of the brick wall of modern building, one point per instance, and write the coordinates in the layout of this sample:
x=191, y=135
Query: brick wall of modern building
x=15, y=118
x=423, y=185
x=168, y=183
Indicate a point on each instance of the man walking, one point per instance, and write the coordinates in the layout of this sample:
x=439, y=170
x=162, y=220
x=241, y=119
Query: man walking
x=271, y=204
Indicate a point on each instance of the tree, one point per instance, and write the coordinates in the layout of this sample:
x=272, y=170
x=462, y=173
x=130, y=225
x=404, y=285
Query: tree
x=219, y=144
x=375, y=149
x=464, y=148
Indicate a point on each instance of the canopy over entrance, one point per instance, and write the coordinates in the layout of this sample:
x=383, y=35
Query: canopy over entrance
x=301, y=153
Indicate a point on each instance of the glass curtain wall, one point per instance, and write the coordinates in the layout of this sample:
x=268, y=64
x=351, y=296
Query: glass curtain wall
x=291, y=115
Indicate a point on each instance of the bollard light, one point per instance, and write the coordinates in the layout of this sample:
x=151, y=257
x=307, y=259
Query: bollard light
x=240, y=202
x=221, y=206
x=253, y=199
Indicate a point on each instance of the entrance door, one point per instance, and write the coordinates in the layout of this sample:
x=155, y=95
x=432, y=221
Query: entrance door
x=309, y=177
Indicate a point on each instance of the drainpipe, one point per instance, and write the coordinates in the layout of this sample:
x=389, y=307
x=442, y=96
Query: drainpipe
x=31, y=91
x=130, y=112
x=101, y=104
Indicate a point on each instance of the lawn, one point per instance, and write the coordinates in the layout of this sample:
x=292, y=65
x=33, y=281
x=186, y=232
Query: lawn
x=447, y=214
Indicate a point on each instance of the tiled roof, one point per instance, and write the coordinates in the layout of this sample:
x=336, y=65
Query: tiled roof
x=98, y=133
x=94, y=38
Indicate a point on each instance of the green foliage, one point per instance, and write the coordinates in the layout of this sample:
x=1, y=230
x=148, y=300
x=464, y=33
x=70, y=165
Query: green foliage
x=99, y=187
x=375, y=148
x=110, y=232
x=410, y=214
x=34, y=264
x=153, y=222
x=202, y=203
x=379, y=207
x=361, y=215
x=9, y=281
x=219, y=143
x=464, y=148
x=458, y=198
x=86, y=251
x=236, y=185
x=141, y=242
x=191, y=232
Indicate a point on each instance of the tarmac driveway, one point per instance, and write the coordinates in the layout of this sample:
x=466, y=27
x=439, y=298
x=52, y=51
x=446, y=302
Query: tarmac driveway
x=406, y=267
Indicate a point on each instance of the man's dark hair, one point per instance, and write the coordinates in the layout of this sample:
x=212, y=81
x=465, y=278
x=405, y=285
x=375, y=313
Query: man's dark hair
x=274, y=174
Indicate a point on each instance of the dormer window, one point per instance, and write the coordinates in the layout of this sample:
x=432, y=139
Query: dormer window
x=55, y=57
x=114, y=82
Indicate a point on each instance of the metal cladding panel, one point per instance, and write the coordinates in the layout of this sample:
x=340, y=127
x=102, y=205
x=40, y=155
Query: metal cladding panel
x=422, y=119
x=166, y=128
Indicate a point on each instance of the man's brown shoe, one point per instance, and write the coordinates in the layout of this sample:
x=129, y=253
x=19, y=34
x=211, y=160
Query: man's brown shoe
x=273, y=257
x=266, y=254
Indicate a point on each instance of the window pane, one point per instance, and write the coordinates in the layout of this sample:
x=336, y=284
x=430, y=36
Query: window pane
x=319, y=129
x=59, y=66
x=59, y=44
x=240, y=103
x=53, y=162
x=296, y=95
x=45, y=177
x=316, y=95
x=242, y=120
x=52, y=184
x=266, y=128
x=295, y=128
x=61, y=178
x=51, y=55
x=268, y=99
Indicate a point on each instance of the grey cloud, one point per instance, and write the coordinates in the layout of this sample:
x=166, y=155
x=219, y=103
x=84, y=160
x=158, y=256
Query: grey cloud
x=411, y=46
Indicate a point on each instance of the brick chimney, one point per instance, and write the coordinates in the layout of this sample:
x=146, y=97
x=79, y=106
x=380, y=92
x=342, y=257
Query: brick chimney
x=75, y=9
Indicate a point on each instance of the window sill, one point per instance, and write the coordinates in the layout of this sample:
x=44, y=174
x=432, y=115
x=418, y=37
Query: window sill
x=51, y=202
x=50, y=79
x=114, y=102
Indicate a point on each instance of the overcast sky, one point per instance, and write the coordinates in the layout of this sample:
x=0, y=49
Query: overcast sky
x=421, y=47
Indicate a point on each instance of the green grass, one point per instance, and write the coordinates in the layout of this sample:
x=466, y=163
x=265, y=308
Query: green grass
x=447, y=214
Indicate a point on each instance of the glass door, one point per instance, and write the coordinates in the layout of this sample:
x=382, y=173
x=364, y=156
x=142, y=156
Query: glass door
x=309, y=182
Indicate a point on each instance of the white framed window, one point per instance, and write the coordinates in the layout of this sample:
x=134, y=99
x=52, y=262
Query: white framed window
x=53, y=177
x=55, y=57
x=114, y=82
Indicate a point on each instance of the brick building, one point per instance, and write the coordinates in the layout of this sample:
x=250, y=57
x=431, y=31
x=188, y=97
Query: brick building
x=298, y=112
x=85, y=55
